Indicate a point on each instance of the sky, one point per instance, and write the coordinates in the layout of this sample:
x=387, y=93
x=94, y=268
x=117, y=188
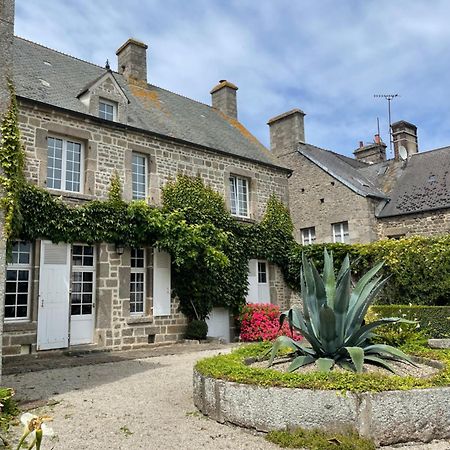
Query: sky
x=326, y=57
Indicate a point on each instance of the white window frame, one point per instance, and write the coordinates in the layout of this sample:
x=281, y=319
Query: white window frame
x=23, y=267
x=141, y=155
x=109, y=103
x=143, y=271
x=82, y=269
x=234, y=196
x=64, y=164
x=308, y=235
x=339, y=233
x=266, y=271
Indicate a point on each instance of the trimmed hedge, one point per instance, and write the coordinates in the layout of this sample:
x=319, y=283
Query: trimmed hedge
x=231, y=367
x=434, y=320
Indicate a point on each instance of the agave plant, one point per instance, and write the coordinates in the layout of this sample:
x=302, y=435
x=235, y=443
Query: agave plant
x=332, y=320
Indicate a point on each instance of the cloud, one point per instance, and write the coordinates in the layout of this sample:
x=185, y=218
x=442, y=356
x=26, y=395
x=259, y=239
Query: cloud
x=326, y=57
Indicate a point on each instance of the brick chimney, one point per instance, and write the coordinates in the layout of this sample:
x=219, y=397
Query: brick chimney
x=286, y=131
x=132, y=61
x=223, y=98
x=371, y=153
x=404, y=134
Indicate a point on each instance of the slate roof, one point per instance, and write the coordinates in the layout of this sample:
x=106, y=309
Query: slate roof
x=423, y=185
x=342, y=168
x=47, y=76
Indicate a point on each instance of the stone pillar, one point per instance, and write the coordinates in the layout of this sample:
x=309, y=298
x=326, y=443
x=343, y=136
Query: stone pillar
x=286, y=132
x=6, y=41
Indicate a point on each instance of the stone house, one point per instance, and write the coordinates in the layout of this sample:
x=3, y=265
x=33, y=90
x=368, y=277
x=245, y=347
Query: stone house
x=79, y=124
x=335, y=198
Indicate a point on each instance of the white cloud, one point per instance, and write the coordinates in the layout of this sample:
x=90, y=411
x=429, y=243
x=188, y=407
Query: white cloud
x=326, y=57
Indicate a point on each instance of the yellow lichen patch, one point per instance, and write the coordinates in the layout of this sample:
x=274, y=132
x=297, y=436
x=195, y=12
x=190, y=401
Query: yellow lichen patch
x=149, y=98
x=238, y=125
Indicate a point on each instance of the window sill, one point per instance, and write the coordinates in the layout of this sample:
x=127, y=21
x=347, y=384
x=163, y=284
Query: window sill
x=138, y=320
x=70, y=195
x=244, y=219
x=19, y=325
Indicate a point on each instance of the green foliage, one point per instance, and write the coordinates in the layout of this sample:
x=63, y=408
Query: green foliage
x=8, y=408
x=115, y=190
x=332, y=320
x=320, y=440
x=434, y=321
x=11, y=168
x=196, y=329
x=232, y=367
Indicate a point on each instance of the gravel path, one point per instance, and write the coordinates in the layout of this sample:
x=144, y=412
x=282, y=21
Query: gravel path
x=137, y=404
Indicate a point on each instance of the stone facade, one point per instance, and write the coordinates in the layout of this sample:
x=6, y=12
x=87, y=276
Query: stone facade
x=318, y=200
x=430, y=223
x=107, y=149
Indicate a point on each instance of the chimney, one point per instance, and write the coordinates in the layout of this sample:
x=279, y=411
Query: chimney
x=404, y=136
x=132, y=61
x=286, y=131
x=6, y=42
x=223, y=98
x=371, y=153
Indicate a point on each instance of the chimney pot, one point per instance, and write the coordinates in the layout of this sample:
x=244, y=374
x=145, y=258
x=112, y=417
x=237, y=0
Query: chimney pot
x=377, y=139
x=361, y=144
x=132, y=60
x=223, y=98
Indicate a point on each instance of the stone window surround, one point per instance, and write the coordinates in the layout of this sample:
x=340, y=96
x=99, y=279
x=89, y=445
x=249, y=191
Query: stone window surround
x=111, y=103
x=152, y=178
x=252, y=190
x=89, y=160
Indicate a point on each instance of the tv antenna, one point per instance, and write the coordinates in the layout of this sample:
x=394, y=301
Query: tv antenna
x=389, y=98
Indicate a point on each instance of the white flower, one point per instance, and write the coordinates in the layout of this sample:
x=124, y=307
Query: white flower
x=33, y=423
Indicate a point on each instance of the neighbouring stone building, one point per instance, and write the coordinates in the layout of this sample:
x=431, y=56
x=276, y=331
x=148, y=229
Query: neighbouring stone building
x=80, y=123
x=335, y=198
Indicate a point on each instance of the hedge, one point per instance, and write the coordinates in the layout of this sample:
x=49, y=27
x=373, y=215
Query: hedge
x=435, y=320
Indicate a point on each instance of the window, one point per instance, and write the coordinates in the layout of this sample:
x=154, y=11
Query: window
x=262, y=272
x=239, y=196
x=308, y=235
x=340, y=232
x=64, y=164
x=137, y=281
x=18, y=282
x=107, y=110
x=139, y=174
x=82, y=298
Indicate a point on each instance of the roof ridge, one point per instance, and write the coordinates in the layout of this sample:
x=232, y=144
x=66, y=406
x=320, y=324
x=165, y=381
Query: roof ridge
x=62, y=53
x=432, y=150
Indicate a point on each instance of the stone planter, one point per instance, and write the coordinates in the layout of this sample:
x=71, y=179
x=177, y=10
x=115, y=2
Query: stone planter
x=387, y=417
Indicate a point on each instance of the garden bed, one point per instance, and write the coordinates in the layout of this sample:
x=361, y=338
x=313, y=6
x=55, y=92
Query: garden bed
x=386, y=408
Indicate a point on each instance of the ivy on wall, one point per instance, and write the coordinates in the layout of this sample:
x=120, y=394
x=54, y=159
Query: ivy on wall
x=209, y=248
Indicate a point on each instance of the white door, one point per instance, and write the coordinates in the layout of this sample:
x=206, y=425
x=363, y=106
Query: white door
x=263, y=282
x=82, y=297
x=218, y=322
x=53, y=309
x=161, y=283
x=252, y=296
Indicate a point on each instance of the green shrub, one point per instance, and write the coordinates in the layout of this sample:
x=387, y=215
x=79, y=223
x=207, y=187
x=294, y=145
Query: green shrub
x=434, y=320
x=196, y=329
x=319, y=440
x=8, y=409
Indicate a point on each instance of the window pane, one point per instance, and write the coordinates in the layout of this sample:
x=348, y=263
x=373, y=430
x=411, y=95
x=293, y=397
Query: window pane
x=54, y=162
x=73, y=164
x=106, y=111
x=262, y=272
x=139, y=177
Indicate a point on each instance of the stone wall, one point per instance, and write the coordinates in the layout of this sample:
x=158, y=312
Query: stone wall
x=108, y=149
x=316, y=199
x=431, y=223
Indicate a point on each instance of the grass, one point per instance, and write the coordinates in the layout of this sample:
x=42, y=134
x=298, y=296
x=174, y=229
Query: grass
x=319, y=440
x=231, y=367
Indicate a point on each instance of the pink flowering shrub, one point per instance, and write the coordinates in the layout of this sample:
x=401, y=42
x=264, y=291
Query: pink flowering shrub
x=260, y=322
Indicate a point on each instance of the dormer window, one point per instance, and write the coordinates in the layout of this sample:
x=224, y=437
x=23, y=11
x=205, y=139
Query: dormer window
x=107, y=110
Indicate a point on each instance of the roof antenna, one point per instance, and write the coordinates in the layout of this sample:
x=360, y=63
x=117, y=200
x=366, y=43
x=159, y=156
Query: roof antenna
x=107, y=67
x=388, y=97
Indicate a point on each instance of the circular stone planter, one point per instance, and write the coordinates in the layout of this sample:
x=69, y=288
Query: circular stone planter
x=386, y=417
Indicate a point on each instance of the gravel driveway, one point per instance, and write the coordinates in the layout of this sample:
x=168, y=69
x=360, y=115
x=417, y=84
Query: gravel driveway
x=137, y=404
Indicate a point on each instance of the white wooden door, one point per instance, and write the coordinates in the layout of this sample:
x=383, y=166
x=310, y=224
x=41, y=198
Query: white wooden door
x=263, y=282
x=252, y=296
x=161, y=283
x=82, y=297
x=53, y=309
x=218, y=322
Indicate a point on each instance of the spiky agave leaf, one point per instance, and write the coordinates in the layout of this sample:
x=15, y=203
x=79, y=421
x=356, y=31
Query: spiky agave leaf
x=300, y=361
x=329, y=279
x=324, y=364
